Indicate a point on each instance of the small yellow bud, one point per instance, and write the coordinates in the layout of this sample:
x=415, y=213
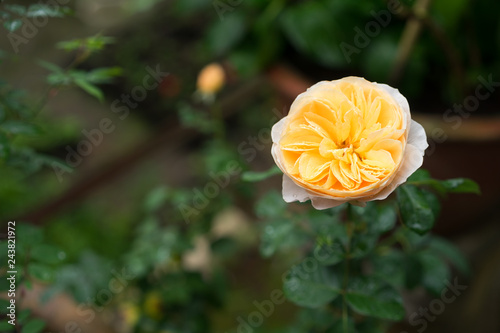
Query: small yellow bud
x=130, y=313
x=153, y=305
x=211, y=79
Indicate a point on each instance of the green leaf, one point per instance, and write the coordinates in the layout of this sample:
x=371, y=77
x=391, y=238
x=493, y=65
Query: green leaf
x=13, y=25
x=40, y=272
x=433, y=201
x=191, y=117
x=2, y=112
x=6, y=327
x=379, y=218
x=93, y=43
x=37, y=10
x=461, y=185
x=443, y=248
x=4, y=15
x=70, y=45
x=308, y=320
x=280, y=234
x=90, y=89
x=416, y=211
x=156, y=199
x=371, y=297
x=19, y=127
x=271, y=205
x=97, y=42
x=223, y=35
x=53, y=162
x=456, y=185
x=312, y=30
x=33, y=326
x=50, y=66
x=244, y=61
x=224, y=247
x=47, y=254
x=103, y=75
x=328, y=224
x=435, y=272
x=82, y=279
x=311, y=285
x=17, y=9
x=330, y=254
x=253, y=176
x=389, y=268
x=449, y=12
x=419, y=175
x=386, y=218
x=23, y=315
x=371, y=325
x=28, y=284
x=29, y=234
x=338, y=327
x=186, y=7
x=4, y=146
x=413, y=271
x=378, y=59
x=4, y=302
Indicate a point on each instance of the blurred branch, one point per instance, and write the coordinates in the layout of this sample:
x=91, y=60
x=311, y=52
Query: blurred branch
x=418, y=16
x=409, y=38
x=449, y=50
x=473, y=47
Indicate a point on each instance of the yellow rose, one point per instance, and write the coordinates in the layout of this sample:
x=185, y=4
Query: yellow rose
x=211, y=79
x=348, y=140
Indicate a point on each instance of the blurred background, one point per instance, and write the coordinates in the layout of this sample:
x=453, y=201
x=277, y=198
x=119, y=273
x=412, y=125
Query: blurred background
x=122, y=167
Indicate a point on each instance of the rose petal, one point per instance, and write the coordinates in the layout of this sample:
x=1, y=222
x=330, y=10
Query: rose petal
x=400, y=100
x=417, y=136
x=277, y=129
x=293, y=192
x=321, y=203
x=412, y=160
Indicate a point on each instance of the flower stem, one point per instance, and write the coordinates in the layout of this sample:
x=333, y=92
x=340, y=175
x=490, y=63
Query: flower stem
x=349, y=229
x=218, y=118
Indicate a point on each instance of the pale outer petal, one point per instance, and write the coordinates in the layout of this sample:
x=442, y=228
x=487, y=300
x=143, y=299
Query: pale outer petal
x=293, y=192
x=277, y=129
x=412, y=159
